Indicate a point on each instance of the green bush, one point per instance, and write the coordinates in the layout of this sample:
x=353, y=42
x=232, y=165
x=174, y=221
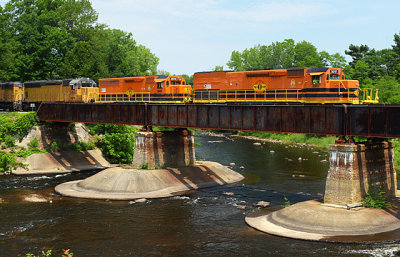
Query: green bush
x=81, y=146
x=54, y=147
x=375, y=200
x=34, y=143
x=10, y=141
x=8, y=162
x=16, y=124
x=118, y=143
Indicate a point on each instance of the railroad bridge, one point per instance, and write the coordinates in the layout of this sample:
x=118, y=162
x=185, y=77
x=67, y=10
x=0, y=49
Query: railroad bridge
x=378, y=121
x=356, y=169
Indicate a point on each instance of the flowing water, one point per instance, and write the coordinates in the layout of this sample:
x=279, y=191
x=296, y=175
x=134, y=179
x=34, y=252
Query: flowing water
x=205, y=223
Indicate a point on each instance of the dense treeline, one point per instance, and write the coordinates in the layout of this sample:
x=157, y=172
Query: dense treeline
x=373, y=68
x=51, y=39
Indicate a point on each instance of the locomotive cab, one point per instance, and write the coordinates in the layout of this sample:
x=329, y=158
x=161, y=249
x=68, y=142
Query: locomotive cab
x=83, y=89
x=328, y=85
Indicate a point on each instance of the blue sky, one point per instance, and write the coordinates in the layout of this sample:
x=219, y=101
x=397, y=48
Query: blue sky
x=196, y=35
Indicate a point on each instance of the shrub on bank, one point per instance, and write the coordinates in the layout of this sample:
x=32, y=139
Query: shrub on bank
x=117, y=143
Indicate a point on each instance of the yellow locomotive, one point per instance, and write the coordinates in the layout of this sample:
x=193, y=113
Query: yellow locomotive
x=11, y=95
x=28, y=95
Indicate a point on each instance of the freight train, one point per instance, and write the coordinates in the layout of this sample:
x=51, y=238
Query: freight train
x=297, y=85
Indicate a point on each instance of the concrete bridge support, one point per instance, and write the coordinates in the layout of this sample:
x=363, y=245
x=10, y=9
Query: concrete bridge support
x=164, y=149
x=164, y=165
x=355, y=170
x=358, y=169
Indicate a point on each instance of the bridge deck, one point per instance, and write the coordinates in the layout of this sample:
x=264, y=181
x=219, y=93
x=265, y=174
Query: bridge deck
x=351, y=120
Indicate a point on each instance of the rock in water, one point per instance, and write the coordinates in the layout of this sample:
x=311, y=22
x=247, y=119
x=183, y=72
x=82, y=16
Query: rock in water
x=263, y=204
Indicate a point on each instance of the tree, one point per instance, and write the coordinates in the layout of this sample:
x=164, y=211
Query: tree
x=389, y=90
x=357, y=52
x=189, y=79
x=306, y=55
x=8, y=49
x=286, y=54
x=62, y=39
x=218, y=68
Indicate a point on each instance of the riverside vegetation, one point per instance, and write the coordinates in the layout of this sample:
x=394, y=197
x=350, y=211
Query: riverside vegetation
x=115, y=141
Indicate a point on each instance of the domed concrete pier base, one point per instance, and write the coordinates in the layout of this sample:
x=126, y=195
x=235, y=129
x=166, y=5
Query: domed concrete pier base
x=355, y=170
x=126, y=184
x=312, y=220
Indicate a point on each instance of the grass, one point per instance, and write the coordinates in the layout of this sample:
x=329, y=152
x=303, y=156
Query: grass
x=317, y=140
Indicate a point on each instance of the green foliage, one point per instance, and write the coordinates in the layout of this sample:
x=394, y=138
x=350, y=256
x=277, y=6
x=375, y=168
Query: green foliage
x=286, y=54
x=34, y=143
x=317, y=140
x=48, y=253
x=54, y=147
x=218, y=68
x=26, y=153
x=287, y=202
x=376, y=200
x=81, y=146
x=118, y=143
x=44, y=254
x=189, y=79
x=157, y=128
x=50, y=39
x=8, y=162
x=22, y=125
x=16, y=124
x=145, y=166
x=10, y=141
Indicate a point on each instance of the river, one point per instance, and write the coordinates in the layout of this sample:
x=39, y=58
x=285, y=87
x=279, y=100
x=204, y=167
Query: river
x=208, y=222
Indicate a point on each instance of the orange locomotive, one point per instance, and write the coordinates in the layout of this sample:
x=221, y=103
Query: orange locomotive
x=155, y=88
x=304, y=85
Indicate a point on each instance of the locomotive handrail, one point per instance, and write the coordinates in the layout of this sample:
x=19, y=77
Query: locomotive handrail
x=139, y=97
x=211, y=96
x=368, y=96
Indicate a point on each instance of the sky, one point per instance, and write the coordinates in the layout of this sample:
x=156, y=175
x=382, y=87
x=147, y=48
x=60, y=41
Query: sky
x=196, y=35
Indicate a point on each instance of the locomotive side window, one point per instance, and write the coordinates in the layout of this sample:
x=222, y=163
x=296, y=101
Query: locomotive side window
x=167, y=83
x=327, y=77
x=316, y=79
x=159, y=85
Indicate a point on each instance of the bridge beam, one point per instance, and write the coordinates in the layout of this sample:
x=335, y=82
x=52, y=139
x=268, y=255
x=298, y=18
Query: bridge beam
x=164, y=149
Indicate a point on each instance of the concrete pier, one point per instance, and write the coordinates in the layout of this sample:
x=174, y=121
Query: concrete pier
x=355, y=170
x=358, y=169
x=165, y=165
x=164, y=149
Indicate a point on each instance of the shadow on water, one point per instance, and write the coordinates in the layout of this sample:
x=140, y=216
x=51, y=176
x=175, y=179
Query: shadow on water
x=207, y=222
